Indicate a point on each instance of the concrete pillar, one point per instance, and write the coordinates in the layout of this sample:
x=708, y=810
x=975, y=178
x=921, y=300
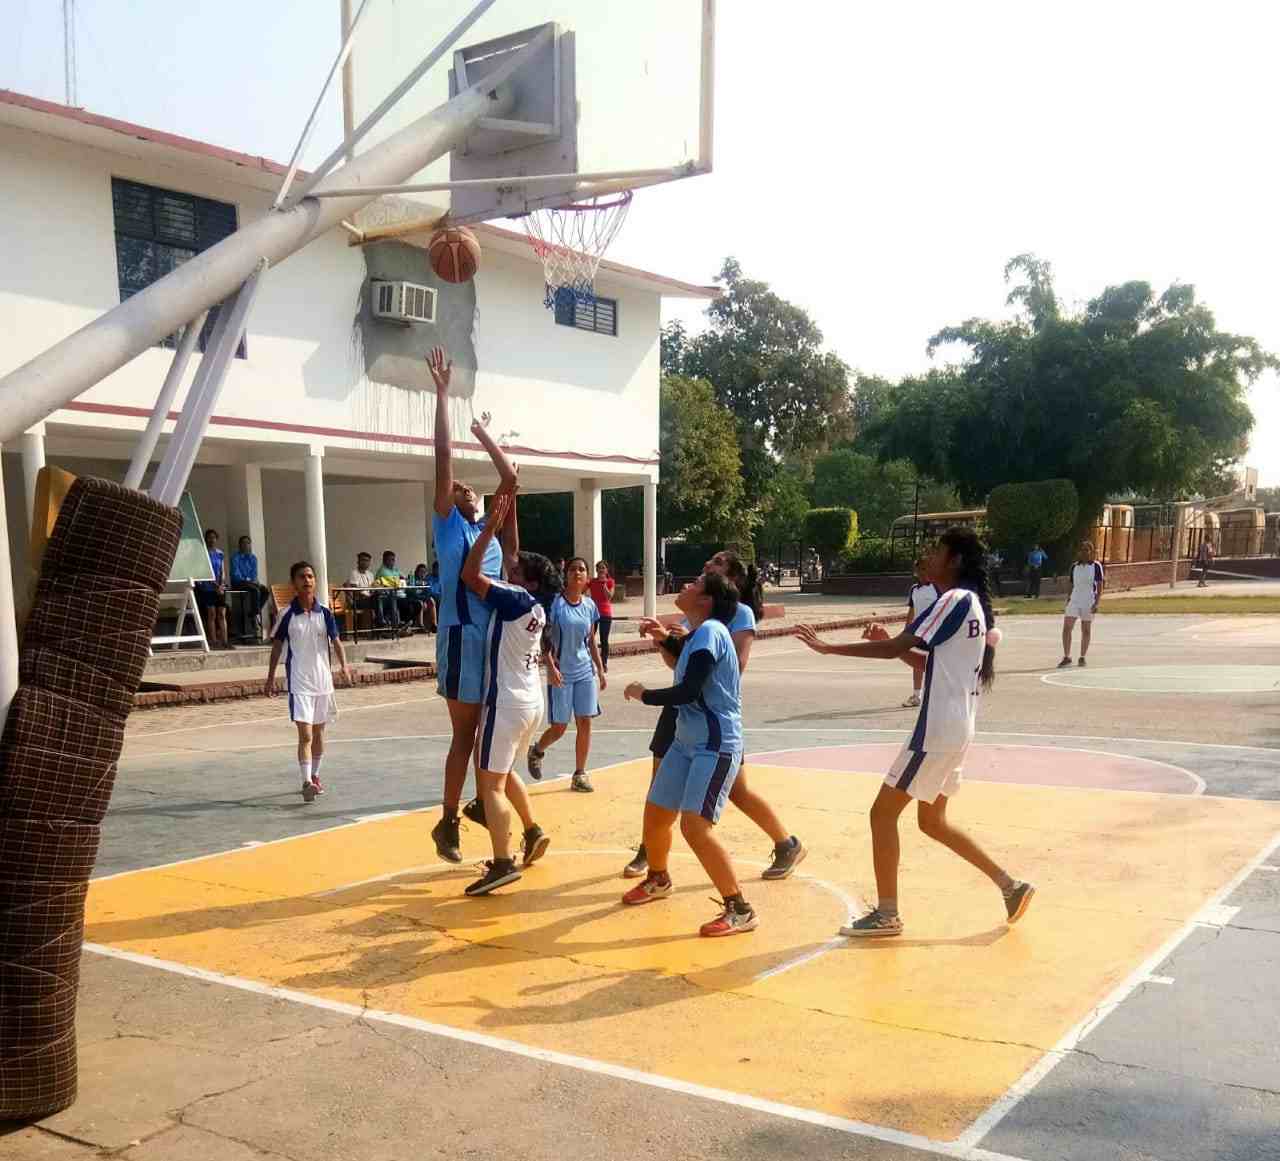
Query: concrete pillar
x=588, y=536
x=317, y=549
x=32, y=462
x=8, y=619
x=651, y=549
x=245, y=515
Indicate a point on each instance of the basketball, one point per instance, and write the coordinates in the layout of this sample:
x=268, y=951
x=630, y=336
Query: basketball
x=455, y=254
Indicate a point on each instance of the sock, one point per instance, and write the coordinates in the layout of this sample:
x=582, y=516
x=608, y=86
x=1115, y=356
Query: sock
x=305, y=767
x=738, y=903
x=315, y=766
x=1006, y=883
x=888, y=908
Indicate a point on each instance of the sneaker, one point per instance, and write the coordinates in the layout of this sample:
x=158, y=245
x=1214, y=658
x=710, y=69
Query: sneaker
x=786, y=858
x=534, y=758
x=912, y=701
x=446, y=837
x=1083, y=663
x=317, y=784
x=638, y=866
x=873, y=925
x=308, y=791
x=1064, y=663
x=651, y=889
x=536, y=841
x=497, y=873
x=730, y=921
x=581, y=783
x=1018, y=900
x=474, y=810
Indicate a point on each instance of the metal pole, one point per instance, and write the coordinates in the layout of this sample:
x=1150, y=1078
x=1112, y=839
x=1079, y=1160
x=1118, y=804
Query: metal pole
x=72, y=366
x=164, y=401
x=317, y=544
x=32, y=462
x=348, y=87
x=1175, y=543
x=403, y=87
x=510, y=182
x=180, y=455
x=8, y=618
x=349, y=35
x=69, y=50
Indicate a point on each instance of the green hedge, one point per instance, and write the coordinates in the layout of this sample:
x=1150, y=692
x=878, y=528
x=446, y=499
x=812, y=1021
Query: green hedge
x=832, y=531
x=876, y=555
x=1018, y=515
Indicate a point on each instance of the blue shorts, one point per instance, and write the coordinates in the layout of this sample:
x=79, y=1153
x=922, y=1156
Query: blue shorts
x=460, y=663
x=573, y=699
x=696, y=781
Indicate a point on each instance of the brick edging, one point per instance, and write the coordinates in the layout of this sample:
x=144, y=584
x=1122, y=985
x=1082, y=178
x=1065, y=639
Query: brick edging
x=217, y=691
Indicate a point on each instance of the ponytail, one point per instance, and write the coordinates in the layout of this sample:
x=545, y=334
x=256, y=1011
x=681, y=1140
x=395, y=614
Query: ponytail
x=747, y=579
x=971, y=573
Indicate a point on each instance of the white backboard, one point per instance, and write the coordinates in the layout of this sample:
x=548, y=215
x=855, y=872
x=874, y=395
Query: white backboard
x=642, y=71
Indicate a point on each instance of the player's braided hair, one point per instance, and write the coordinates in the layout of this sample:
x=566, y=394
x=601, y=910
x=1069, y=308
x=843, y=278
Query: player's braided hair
x=971, y=574
x=747, y=578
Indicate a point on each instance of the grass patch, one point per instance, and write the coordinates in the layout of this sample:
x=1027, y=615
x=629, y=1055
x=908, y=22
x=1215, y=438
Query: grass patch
x=1214, y=606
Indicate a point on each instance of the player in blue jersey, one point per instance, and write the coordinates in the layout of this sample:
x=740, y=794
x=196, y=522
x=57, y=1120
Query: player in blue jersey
x=957, y=636
x=464, y=618
x=512, y=695
x=788, y=850
x=698, y=770
x=575, y=672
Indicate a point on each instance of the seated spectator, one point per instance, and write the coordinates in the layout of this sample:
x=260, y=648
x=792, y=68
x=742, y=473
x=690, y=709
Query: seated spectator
x=425, y=598
x=244, y=579
x=361, y=579
x=211, y=596
x=387, y=582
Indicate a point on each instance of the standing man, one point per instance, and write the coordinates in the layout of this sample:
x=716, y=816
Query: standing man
x=1035, y=569
x=1204, y=560
x=1087, y=583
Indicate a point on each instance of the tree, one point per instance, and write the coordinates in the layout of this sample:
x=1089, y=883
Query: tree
x=1135, y=392
x=701, y=492
x=1021, y=515
x=881, y=492
x=832, y=531
x=784, y=509
x=764, y=357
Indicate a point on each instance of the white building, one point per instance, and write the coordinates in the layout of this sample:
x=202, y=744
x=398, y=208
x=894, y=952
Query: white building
x=95, y=207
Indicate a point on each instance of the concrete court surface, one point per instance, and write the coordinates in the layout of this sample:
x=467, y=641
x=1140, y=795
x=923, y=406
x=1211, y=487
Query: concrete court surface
x=336, y=997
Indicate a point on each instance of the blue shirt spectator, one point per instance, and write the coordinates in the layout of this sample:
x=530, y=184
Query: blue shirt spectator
x=244, y=564
x=1036, y=557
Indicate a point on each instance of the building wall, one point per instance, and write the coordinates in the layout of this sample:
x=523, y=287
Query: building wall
x=560, y=388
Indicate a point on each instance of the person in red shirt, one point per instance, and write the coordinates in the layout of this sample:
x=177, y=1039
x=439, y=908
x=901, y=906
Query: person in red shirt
x=601, y=587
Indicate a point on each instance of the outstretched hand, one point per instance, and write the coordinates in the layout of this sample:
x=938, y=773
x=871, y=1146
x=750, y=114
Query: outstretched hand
x=633, y=692
x=809, y=636
x=653, y=628
x=479, y=425
x=441, y=371
x=498, y=510
x=875, y=632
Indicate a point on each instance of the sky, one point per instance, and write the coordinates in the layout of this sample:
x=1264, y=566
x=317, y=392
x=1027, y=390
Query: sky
x=876, y=164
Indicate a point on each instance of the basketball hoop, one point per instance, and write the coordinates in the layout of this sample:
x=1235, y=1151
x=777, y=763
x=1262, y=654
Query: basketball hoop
x=570, y=240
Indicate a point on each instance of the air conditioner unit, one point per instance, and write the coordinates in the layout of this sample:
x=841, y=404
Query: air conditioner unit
x=403, y=302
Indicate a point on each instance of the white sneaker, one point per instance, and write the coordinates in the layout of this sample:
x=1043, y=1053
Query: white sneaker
x=913, y=700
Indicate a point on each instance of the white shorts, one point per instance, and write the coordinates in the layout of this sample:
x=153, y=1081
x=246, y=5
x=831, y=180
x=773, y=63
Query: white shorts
x=505, y=732
x=316, y=709
x=1082, y=610
x=925, y=776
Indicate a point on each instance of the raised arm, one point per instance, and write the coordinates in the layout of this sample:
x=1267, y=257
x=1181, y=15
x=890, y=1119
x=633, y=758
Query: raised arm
x=508, y=479
x=472, y=568
x=441, y=373
x=890, y=647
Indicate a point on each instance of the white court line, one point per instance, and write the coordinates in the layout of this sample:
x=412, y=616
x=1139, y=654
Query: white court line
x=1167, y=981
x=1196, y=780
x=564, y=1059
x=1060, y=681
x=1067, y=1044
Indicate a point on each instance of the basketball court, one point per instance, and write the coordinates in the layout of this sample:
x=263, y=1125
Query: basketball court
x=1154, y=857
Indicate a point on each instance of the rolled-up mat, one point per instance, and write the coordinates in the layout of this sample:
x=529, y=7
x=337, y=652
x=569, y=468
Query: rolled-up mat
x=83, y=651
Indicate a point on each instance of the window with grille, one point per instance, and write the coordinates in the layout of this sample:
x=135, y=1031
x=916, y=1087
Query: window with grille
x=600, y=316
x=157, y=230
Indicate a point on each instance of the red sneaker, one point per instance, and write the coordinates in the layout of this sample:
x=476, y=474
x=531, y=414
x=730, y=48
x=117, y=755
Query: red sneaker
x=317, y=784
x=651, y=889
x=730, y=922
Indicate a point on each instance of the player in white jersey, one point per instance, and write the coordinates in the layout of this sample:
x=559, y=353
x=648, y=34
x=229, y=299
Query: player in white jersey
x=304, y=632
x=920, y=597
x=1087, y=582
x=511, y=706
x=957, y=637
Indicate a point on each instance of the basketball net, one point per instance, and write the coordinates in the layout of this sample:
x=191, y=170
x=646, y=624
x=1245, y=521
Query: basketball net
x=570, y=240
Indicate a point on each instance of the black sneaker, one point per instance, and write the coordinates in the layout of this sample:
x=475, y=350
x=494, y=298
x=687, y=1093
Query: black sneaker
x=1018, y=900
x=536, y=841
x=1065, y=663
x=786, y=857
x=581, y=783
x=497, y=873
x=1083, y=663
x=534, y=758
x=474, y=810
x=875, y=924
x=638, y=866
x=446, y=837
x=309, y=791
